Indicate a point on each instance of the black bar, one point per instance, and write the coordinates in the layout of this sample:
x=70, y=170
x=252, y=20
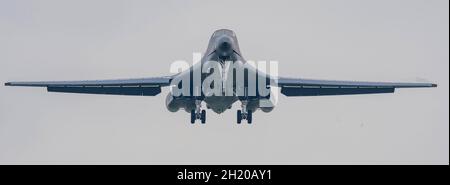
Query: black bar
x=278, y=173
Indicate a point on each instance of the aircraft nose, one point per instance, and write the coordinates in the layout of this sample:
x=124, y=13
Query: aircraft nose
x=225, y=46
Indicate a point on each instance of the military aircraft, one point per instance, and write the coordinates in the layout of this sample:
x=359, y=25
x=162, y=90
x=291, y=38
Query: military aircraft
x=222, y=49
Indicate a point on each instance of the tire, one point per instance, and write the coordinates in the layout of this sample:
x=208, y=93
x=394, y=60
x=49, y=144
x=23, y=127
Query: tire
x=193, y=118
x=249, y=117
x=203, y=116
x=239, y=116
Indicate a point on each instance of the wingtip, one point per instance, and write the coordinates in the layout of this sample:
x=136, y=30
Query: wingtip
x=434, y=85
x=8, y=84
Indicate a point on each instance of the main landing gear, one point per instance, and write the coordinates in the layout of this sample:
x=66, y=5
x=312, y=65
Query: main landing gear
x=198, y=113
x=244, y=114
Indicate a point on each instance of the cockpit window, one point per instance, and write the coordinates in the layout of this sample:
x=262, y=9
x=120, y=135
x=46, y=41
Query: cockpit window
x=223, y=32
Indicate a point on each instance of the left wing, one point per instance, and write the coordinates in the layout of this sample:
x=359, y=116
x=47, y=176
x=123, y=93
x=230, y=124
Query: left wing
x=136, y=87
x=311, y=87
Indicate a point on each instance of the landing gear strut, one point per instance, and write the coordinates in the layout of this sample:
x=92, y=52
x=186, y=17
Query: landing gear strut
x=198, y=113
x=244, y=114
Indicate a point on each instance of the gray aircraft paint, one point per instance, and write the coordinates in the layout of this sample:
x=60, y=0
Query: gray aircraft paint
x=207, y=77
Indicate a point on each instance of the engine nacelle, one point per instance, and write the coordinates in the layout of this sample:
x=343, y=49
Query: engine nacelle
x=266, y=109
x=171, y=104
x=174, y=104
x=266, y=105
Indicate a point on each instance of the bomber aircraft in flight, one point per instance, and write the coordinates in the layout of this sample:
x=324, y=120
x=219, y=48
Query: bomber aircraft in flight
x=221, y=78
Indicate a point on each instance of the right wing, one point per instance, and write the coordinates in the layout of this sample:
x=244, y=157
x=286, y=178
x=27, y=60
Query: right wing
x=136, y=87
x=312, y=87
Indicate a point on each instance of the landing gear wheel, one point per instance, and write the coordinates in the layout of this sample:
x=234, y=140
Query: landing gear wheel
x=193, y=116
x=198, y=113
x=239, y=116
x=203, y=117
x=244, y=113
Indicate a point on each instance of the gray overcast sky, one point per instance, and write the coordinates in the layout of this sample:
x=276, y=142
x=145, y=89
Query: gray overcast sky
x=382, y=40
